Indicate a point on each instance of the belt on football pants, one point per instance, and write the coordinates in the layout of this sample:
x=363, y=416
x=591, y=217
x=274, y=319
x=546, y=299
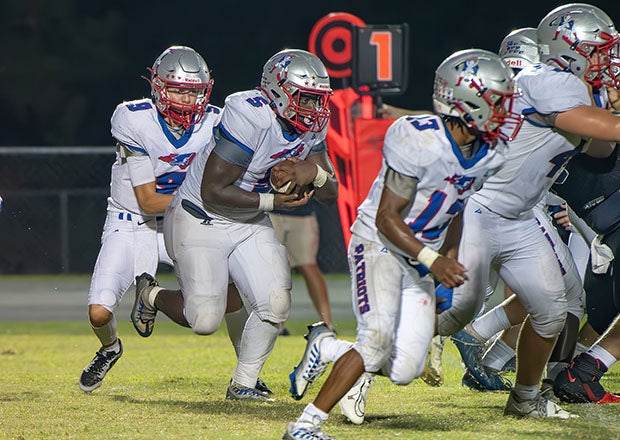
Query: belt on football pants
x=194, y=211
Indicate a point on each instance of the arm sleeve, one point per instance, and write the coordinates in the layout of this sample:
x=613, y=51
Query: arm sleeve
x=140, y=170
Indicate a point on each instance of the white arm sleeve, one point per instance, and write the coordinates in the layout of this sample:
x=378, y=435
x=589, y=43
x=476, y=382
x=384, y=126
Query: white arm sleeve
x=140, y=170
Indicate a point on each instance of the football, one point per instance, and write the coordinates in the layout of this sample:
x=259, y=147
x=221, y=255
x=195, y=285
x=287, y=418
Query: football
x=279, y=177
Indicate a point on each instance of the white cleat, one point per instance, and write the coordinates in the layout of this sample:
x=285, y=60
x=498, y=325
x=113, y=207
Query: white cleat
x=537, y=408
x=353, y=404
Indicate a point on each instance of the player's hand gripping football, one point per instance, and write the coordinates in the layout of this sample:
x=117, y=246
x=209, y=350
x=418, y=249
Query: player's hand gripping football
x=449, y=272
x=293, y=176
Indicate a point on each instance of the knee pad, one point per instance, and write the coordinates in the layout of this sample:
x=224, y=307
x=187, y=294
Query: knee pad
x=205, y=313
x=550, y=323
x=374, y=347
x=278, y=308
x=403, y=372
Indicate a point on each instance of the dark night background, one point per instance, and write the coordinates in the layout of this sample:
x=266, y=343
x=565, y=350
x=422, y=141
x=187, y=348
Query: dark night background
x=65, y=64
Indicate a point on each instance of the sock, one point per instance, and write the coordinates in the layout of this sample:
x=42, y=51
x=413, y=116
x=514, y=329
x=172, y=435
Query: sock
x=332, y=349
x=598, y=352
x=235, y=323
x=580, y=348
x=495, y=320
x=153, y=295
x=553, y=368
x=257, y=343
x=526, y=392
x=106, y=333
x=312, y=414
x=497, y=356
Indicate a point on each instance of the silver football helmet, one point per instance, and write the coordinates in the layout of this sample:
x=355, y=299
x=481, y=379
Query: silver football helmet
x=183, y=69
x=477, y=87
x=519, y=48
x=582, y=39
x=297, y=84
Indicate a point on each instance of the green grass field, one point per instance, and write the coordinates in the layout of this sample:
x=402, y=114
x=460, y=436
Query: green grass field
x=172, y=386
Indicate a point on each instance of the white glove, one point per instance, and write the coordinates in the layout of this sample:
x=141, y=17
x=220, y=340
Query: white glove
x=601, y=255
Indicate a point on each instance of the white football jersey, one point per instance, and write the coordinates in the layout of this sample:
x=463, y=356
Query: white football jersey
x=421, y=147
x=539, y=153
x=250, y=123
x=142, y=130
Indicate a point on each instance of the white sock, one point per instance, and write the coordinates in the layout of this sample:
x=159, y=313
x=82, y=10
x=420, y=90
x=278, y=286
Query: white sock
x=235, y=322
x=153, y=294
x=107, y=333
x=495, y=320
x=602, y=355
x=497, y=356
x=257, y=342
x=312, y=414
x=526, y=392
x=332, y=349
x=580, y=348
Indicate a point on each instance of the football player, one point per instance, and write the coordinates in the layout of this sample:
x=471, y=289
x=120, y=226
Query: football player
x=217, y=225
x=157, y=139
x=577, y=44
x=408, y=228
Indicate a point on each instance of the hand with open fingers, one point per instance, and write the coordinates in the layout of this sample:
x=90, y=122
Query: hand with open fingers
x=449, y=272
x=292, y=201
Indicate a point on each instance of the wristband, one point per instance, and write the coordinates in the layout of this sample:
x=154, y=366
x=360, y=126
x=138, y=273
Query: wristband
x=427, y=256
x=321, y=177
x=265, y=201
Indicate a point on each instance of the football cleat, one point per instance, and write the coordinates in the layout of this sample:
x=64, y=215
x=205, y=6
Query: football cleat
x=311, y=367
x=537, y=408
x=546, y=390
x=95, y=371
x=499, y=383
x=239, y=392
x=471, y=353
x=433, y=369
x=305, y=431
x=609, y=398
x=142, y=313
x=262, y=387
x=353, y=404
x=580, y=381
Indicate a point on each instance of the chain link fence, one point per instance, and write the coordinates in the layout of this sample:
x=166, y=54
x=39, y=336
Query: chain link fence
x=54, y=208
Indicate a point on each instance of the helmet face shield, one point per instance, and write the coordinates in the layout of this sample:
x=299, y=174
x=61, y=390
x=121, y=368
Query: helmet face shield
x=181, y=85
x=478, y=87
x=297, y=85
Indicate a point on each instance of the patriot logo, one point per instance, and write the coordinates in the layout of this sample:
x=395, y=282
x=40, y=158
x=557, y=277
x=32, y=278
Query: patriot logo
x=282, y=65
x=565, y=27
x=289, y=152
x=179, y=160
x=461, y=183
x=469, y=71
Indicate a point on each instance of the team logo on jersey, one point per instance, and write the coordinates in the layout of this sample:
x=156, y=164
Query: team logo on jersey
x=178, y=160
x=461, y=183
x=469, y=71
x=289, y=152
x=565, y=27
